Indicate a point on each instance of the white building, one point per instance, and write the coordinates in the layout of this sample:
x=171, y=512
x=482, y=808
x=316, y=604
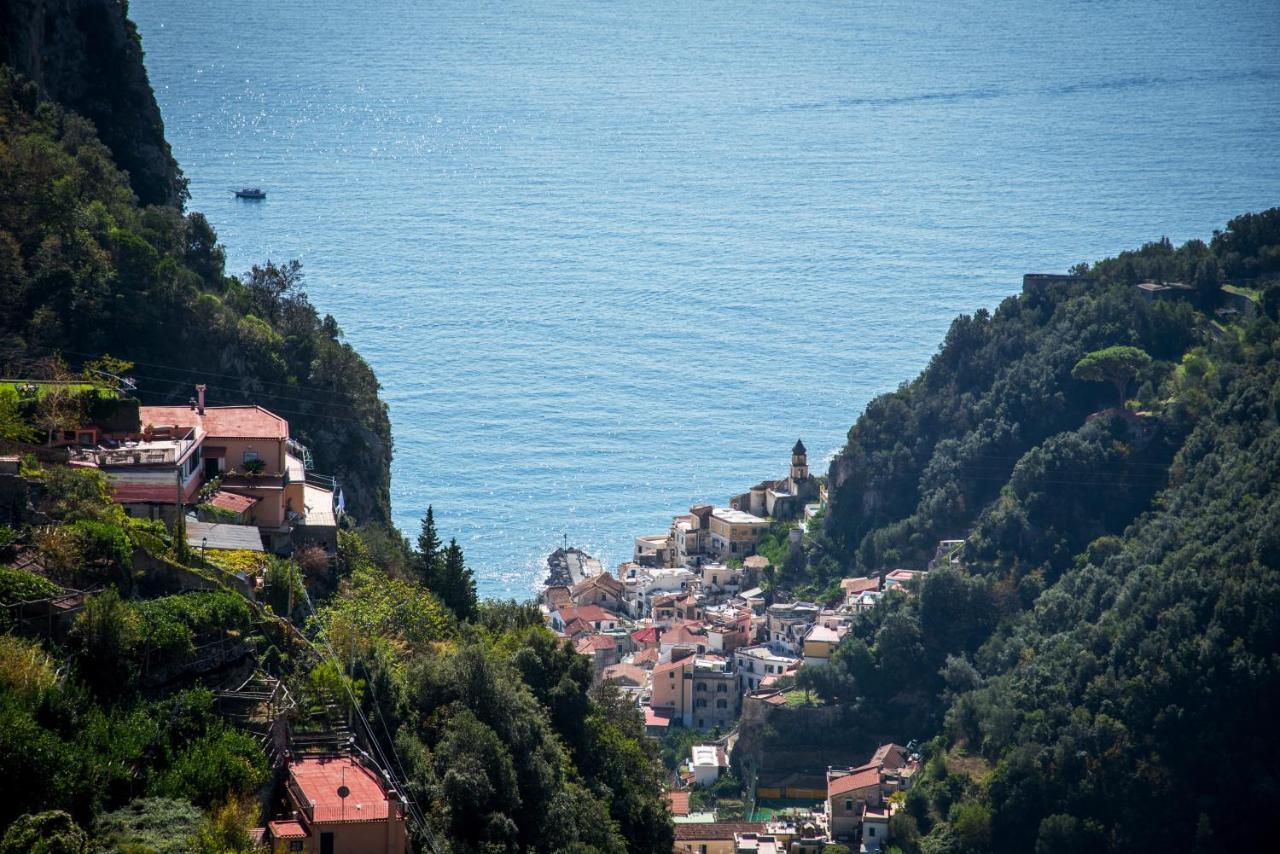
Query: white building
x=644, y=583
x=754, y=663
x=707, y=762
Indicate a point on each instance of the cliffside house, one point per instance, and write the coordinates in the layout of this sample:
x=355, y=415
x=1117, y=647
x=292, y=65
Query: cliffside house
x=338, y=804
x=158, y=465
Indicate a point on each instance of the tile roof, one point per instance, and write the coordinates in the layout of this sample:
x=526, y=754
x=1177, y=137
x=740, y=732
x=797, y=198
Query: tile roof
x=664, y=666
x=287, y=830
x=717, y=830
x=646, y=656
x=318, y=779
x=859, y=778
x=626, y=673
x=683, y=634
x=679, y=802
x=593, y=643
x=221, y=422
x=658, y=717
x=649, y=635
x=890, y=756
x=850, y=586
x=590, y=613
x=233, y=502
x=603, y=581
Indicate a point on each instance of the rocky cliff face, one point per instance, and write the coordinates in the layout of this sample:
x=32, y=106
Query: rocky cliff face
x=87, y=56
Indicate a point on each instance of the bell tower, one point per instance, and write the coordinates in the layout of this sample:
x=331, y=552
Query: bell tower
x=799, y=464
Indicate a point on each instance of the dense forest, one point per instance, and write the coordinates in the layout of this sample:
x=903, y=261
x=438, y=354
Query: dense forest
x=1092, y=669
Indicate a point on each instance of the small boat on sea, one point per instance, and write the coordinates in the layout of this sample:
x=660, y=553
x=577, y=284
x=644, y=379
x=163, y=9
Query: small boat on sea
x=250, y=193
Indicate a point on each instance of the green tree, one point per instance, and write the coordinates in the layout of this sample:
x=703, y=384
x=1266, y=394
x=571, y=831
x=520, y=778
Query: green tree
x=457, y=586
x=429, y=561
x=1116, y=365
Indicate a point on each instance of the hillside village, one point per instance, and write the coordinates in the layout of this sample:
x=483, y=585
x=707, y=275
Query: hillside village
x=694, y=631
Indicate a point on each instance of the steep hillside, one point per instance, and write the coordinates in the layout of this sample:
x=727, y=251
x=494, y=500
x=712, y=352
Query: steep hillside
x=1094, y=672
x=86, y=56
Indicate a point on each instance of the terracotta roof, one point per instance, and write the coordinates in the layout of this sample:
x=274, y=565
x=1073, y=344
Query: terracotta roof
x=648, y=656
x=717, y=830
x=679, y=802
x=221, y=422
x=590, y=613
x=664, y=666
x=287, y=830
x=625, y=673
x=601, y=580
x=557, y=595
x=577, y=626
x=684, y=634
x=649, y=635
x=859, y=778
x=318, y=779
x=852, y=586
x=658, y=717
x=592, y=643
x=890, y=756
x=233, y=502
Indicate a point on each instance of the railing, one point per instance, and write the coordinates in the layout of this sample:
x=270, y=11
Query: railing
x=323, y=480
x=300, y=451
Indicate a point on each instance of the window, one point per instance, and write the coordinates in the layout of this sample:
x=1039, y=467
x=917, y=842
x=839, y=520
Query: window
x=848, y=806
x=295, y=845
x=700, y=703
x=722, y=688
x=702, y=686
x=722, y=704
x=251, y=455
x=871, y=831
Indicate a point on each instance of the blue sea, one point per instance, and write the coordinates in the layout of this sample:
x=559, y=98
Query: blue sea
x=611, y=258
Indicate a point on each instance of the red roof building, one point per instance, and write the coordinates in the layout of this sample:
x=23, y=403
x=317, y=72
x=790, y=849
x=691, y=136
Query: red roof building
x=220, y=422
x=342, y=805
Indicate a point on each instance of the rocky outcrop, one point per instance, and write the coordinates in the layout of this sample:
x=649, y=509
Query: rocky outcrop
x=87, y=56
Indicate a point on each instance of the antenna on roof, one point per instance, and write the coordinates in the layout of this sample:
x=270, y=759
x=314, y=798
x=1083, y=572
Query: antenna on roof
x=344, y=792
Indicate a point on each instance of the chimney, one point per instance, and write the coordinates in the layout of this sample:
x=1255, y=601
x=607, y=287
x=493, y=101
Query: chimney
x=200, y=398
